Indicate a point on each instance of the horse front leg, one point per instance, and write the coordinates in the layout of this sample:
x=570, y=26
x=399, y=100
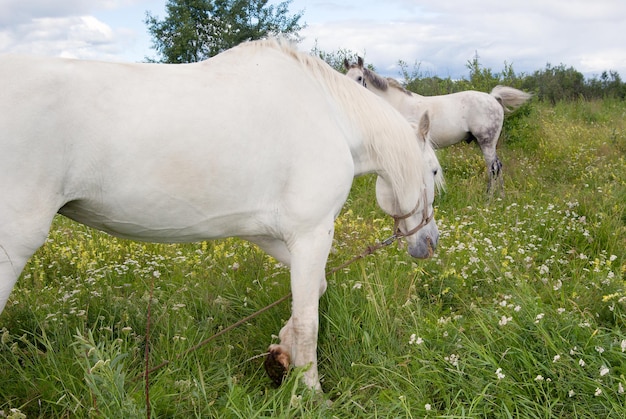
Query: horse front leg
x=298, y=338
x=20, y=236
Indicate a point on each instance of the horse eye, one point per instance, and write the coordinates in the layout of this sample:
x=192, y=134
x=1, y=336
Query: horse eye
x=360, y=78
x=435, y=172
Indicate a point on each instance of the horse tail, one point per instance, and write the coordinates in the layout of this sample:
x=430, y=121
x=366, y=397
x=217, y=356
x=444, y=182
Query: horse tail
x=509, y=98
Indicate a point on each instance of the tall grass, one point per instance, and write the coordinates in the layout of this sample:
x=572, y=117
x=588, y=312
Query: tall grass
x=521, y=313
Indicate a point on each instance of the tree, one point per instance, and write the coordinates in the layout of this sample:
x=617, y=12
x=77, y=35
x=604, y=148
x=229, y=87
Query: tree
x=556, y=83
x=336, y=59
x=195, y=30
x=481, y=78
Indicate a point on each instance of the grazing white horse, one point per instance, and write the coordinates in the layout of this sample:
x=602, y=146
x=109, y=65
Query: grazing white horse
x=470, y=115
x=180, y=153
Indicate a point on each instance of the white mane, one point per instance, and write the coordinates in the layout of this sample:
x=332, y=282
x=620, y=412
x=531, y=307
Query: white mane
x=394, y=149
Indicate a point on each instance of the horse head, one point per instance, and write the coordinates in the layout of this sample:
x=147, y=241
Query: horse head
x=356, y=71
x=416, y=225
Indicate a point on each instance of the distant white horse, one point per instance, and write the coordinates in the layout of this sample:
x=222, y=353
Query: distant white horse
x=179, y=153
x=468, y=115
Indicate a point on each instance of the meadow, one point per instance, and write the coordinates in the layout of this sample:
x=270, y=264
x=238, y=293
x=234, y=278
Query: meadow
x=520, y=313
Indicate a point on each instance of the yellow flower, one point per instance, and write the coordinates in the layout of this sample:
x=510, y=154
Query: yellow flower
x=610, y=297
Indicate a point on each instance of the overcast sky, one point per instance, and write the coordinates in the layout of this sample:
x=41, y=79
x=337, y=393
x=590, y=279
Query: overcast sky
x=440, y=35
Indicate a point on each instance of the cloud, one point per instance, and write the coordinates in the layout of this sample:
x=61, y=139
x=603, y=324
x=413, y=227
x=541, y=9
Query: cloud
x=61, y=28
x=78, y=37
x=442, y=36
x=17, y=12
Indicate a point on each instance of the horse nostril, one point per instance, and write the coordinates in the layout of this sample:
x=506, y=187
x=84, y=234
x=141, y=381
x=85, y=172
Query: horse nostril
x=431, y=246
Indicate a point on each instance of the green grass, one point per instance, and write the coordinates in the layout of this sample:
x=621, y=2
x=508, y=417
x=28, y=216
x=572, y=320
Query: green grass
x=521, y=313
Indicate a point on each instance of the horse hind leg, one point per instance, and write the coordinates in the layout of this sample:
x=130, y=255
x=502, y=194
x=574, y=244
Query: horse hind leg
x=488, y=140
x=496, y=180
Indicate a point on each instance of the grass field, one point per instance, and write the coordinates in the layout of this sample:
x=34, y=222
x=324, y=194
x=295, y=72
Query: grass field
x=521, y=313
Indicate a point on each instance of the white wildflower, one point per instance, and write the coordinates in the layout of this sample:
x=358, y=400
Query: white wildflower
x=415, y=340
x=15, y=414
x=604, y=370
x=504, y=320
x=499, y=374
x=597, y=392
x=453, y=359
x=6, y=336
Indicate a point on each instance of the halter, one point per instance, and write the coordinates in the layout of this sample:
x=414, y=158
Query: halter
x=425, y=220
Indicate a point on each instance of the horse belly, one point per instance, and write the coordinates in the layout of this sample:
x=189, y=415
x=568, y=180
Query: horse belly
x=179, y=192
x=181, y=153
x=446, y=131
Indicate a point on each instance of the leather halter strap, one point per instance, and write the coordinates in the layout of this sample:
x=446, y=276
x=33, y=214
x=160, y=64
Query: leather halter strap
x=425, y=220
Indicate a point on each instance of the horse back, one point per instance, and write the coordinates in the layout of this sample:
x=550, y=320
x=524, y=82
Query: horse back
x=171, y=152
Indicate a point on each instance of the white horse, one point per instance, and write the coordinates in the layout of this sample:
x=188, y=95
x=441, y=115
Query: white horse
x=469, y=115
x=179, y=153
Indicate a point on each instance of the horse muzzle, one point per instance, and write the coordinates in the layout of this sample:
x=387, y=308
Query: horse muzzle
x=425, y=245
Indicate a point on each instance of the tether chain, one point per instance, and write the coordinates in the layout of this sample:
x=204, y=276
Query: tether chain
x=368, y=251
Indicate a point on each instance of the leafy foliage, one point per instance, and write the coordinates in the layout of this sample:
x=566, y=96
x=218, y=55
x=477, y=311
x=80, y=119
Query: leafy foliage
x=195, y=30
x=335, y=58
x=552, y=84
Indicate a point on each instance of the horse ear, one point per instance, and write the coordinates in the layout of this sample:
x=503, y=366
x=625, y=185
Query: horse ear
x=346, y=64
x=359, y=62
x=424, y=127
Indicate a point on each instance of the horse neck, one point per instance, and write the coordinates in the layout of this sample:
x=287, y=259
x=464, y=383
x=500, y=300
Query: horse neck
x=364, y=163
x=378, y=151
x=391, y=95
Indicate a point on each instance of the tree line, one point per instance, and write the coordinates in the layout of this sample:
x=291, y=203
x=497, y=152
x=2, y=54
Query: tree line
x=552, y=84
x=194, y=30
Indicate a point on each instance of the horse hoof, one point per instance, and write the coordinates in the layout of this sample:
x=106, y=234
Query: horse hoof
x=277, y=364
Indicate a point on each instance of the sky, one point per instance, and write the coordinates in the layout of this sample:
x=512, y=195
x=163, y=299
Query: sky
x=435, y=37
